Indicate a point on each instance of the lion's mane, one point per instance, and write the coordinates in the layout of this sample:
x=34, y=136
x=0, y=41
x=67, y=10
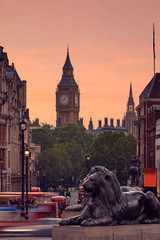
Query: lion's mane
x=109, y=191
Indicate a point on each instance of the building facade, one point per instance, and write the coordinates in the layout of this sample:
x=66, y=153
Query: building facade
x=148, y=112
x=157, y=151
x=12, y=111
x=130, y=115
x=106, y=127
x=67, y=97
x=127, y=125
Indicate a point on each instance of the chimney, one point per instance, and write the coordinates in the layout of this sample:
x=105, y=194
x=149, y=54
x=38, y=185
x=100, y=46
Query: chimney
x=106, y=122
x=99, y=124
x=118, y=123
x=111, y=122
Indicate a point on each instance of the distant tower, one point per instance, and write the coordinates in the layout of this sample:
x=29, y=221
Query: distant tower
x=130, y=116
x=67, y=97
x=90, y=126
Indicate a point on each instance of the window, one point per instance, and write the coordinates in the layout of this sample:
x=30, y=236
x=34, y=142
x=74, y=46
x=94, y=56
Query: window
x=157, y=136
x=158, y=147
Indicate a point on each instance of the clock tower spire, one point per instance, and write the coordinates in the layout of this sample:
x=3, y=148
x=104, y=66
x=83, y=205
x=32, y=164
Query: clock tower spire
x=130, y=116
x=67, y=96
x=130, y=104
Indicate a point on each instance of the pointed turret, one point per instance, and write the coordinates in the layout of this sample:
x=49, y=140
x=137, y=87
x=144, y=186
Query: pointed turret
x=130, y=93
x=67, y=65
x=67, y=76
x=130, y=116
x=130, y=100
x=90, y=126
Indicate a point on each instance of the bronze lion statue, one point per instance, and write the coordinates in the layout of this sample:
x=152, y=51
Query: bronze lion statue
x=110, y=204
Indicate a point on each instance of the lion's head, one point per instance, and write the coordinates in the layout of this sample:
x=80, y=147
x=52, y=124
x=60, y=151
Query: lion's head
x=103, y=183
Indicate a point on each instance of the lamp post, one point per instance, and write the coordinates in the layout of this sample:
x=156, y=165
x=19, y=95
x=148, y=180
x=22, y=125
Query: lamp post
x=30, y=176
x=23, y=128
x=27, y=155
x=1, y=162
x=88, y=158
x=44, y=179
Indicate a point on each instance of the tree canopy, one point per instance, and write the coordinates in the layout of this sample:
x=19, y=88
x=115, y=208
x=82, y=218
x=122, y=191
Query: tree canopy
x=115, y=151
x=64, y=150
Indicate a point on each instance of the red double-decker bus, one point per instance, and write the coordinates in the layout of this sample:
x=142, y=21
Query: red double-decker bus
x=49, y=204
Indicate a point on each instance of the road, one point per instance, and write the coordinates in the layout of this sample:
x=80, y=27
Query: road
x=74, y=197
x=30, y=231
x=41, y=231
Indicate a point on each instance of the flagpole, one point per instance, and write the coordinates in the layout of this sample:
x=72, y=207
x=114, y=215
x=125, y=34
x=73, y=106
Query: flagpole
x=154, y=55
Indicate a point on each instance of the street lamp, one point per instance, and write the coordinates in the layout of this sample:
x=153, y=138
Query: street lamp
x=27, y=155
x=88, y=158
x=23, y=128
x=1, y=162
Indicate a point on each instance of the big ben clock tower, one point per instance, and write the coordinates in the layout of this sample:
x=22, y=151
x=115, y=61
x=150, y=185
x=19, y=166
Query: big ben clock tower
x=67, y=97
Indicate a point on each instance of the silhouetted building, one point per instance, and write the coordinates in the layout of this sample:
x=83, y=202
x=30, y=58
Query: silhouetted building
x=12, y=110
x=80, y=122
x=67, y=97
x=105, y=127
x=157, y=157
x=90, y=126
x=148, y=112
x=130, y=116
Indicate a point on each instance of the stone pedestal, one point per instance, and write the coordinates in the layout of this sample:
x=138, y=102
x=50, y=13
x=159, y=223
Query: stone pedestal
x=68, y=214
x=125, y=232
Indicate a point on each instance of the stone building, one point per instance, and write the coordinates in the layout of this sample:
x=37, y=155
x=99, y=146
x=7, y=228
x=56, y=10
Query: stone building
x=67, y=97
x=35, y=151
x=68, y=105
x=107, y=126
x=127, y=124
x=157, y=154
x=12, y=111
x=130, y=115
x=148, y=113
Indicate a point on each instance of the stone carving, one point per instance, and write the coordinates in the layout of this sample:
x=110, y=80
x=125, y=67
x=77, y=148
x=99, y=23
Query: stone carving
x=110, y=204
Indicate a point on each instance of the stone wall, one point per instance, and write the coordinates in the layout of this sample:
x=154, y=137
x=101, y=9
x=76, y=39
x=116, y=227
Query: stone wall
x=125, y=232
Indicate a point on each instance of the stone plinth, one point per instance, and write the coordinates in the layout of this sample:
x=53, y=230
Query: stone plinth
x=125, y=232
x=68, y=214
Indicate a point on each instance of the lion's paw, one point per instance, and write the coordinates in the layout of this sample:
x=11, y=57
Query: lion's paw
x=87, y=222
x=152, y=221
x=64, y=222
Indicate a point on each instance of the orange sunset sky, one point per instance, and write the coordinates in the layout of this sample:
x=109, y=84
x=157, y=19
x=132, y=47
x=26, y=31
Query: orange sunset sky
x=110, y=42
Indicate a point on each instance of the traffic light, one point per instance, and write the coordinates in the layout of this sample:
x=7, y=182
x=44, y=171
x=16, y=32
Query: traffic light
x=68, y=195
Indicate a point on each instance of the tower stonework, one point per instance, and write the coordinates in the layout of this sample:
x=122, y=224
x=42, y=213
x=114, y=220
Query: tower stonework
x=67, y=97
x=130, y=116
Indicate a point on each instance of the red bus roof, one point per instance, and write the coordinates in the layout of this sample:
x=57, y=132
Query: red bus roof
x=34, y=194
x=57, y=199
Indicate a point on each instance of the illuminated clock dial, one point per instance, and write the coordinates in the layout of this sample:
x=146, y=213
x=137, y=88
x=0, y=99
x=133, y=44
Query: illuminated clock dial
x=130, y=108
x=76, y=100
x=64, y=99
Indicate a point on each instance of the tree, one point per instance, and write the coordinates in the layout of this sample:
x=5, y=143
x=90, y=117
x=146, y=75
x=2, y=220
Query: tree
x=63, y=151
x=115, y=151
x=43, y=136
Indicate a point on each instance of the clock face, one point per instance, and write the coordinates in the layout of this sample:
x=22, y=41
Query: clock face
x=64, y=99
x=76, y=100
x=130, y=108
